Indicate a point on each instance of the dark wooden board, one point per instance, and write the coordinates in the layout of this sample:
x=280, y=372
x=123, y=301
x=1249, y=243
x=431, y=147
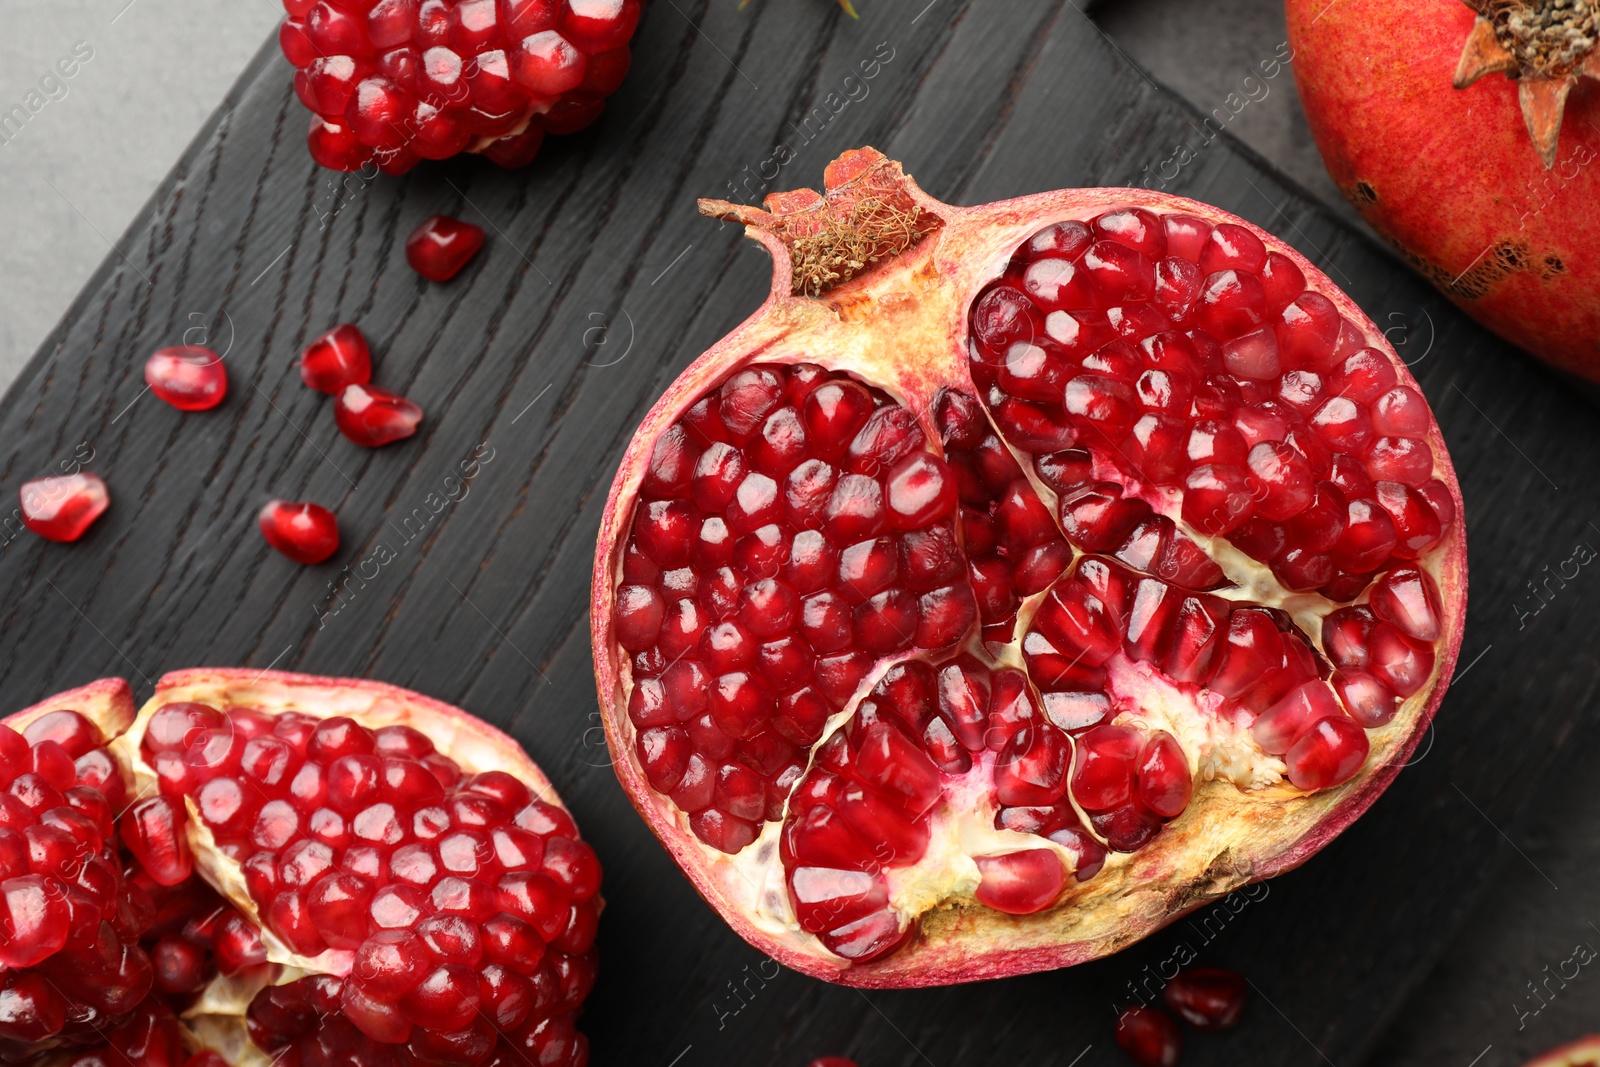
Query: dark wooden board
x=598, y=285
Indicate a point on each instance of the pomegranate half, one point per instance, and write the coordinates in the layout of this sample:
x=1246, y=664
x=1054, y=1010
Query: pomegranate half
x=1468, y=134
x=279, y=868
x=1019, y=578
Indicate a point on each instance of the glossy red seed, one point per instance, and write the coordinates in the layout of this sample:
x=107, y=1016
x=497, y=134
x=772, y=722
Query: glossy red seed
x=1149, y=1037
x=373, y=417
x=440, y=246
x=1207, y=998
x=63, y=507
x=188, y=377
x=1020, y=883
x=305, y=532
x=337, y=359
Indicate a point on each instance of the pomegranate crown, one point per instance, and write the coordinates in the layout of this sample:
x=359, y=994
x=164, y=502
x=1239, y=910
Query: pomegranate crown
x=1545, y=46
x=868, y=212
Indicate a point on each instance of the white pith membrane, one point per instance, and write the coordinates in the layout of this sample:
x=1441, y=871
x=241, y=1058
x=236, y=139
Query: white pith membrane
x=216, y=1019
x=1244, y=821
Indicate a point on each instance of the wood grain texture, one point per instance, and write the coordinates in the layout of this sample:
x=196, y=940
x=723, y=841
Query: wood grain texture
x=598, y=284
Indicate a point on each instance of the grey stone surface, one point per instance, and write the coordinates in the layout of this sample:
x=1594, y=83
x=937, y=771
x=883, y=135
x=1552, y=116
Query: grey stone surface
x=85, y=152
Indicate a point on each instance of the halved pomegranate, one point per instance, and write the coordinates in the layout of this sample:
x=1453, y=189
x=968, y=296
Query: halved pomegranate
x=319, y=867
x=1019, y=578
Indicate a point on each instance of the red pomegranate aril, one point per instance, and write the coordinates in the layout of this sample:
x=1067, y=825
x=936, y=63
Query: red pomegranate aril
x=305, y=532
x=1408, y=598
x=63, y=507
x=1326, y=754
x=441, y=245
x=1207, y=998
x=1020, y=883
x=1149, y=1037
x=337, y=359
x=188, y=377
x=374, y=417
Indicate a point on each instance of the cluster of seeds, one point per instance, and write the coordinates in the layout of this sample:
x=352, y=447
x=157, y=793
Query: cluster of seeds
x=392, y=82
x=70, y=962
x=1188, y=358
x=791, y=530
x=466, y=906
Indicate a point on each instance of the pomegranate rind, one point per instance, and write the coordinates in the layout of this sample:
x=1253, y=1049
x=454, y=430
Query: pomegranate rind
x=108, y=703
x=1580, y=1053
x=1451, y=176
x=919, y=302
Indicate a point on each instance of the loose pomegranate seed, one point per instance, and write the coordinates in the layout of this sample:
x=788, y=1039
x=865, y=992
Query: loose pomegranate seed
x=63, y=507
x=833, y=1061
x=373, y=417
x=441, y=246
x=305, y=532
x=337, y=359
x=188, y=377
x=1207, y=998
x=1149, y=1037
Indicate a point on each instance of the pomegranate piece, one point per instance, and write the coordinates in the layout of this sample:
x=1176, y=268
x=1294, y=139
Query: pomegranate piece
x=1207, y=998
x=393, y=83
x=1149, y=1037
x=62, y=507
x=931, y=635
x=1573, y=1054
x=188, y=377
x=374, y=417
x=337, y=359
x=441, y=246
x=322, y=790
x=305, y=532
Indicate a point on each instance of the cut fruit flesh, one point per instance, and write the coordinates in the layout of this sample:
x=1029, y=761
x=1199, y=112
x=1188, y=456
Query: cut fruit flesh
x=314, y=805
x=859, y=707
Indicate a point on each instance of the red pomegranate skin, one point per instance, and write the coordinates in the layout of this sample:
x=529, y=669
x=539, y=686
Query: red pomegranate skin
x=1450, y=176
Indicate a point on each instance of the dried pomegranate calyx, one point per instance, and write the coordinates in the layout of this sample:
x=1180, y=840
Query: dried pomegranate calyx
x=1183, y=465
x=1546, y=45
x=865, y=216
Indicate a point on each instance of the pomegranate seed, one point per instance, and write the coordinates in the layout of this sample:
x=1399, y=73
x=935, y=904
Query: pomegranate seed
x=1020, y=883
x=1207, y=998
x=1149, y=1037
x=305, y=532
x=188, y=377
x=1408, y=598
x=439, y=247
x=337, y=359
x=63, y=507
x=373, y=417
x=1326, y=754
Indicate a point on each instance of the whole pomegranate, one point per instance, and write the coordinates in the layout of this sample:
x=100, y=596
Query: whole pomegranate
x=1486, y=184
x=278, y=867
x=1018, y=578
x=392, y=82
